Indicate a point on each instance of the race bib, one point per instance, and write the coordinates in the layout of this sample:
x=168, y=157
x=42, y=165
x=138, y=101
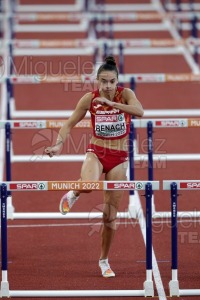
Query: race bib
x=110, y=125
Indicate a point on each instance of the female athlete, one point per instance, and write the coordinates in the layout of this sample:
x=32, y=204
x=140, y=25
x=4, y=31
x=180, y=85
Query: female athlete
x=111, y=107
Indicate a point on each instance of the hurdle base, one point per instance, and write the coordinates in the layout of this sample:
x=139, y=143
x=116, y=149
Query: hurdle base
x=174, y=288
x=10, y=208
x=135, y=210
x=148, y=288
x=4, y=289
x=153, y=208
x=77, y=293
x=132, y=207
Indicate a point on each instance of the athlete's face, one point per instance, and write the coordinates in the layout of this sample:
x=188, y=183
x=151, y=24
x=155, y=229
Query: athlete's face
x=107, y=82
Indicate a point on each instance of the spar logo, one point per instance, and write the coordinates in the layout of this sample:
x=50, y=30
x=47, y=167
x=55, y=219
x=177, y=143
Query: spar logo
x=27, y=186
x=148, y=78
x=120, y=185
x=28, y=124
x=190, y=185
x=170, y=123
x=41, y=186
x=139, y=186
x=124, y=185
x=121, y=117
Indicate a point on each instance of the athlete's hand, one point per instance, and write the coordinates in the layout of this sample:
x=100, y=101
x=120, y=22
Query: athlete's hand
x=51, y=151
x=103, y=101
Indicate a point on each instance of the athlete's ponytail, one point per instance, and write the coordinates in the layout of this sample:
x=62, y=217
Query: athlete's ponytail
x=109, y=65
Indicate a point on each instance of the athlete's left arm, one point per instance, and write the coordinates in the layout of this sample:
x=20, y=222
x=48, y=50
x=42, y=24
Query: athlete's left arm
x=132, y=104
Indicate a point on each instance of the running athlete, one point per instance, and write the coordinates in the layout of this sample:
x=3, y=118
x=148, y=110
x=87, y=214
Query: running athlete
x=111, y=108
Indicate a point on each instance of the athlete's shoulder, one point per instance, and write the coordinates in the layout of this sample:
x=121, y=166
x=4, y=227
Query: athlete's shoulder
x=128, y=92
x=95, y=93
x=85, y=101
x=87, y=95
x=129, y=96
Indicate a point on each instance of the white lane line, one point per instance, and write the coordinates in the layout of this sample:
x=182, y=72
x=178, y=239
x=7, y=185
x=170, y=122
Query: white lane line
x=155, y=269
x=159, y=261
x=66, y=224
x=130, y=222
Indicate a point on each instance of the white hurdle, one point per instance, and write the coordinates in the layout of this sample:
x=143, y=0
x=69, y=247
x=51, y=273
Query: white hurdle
x=86, y=43
x=175, y=186
x=86, y=79
x=60, y=186
x=55, y=124
x=138, y=158
x=89, y=82
x=148, y=290
x=31, y=17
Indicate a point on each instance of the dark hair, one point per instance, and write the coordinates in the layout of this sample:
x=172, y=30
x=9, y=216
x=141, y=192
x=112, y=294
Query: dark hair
x=109, y=65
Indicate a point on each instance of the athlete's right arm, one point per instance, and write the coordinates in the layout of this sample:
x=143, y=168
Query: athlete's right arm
x=79, y=113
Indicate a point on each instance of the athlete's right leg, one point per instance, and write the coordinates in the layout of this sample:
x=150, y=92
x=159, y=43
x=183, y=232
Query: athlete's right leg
x=91, y=171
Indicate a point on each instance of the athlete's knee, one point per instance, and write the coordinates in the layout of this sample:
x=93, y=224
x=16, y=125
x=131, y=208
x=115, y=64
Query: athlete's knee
x=110, y=216
x=109, y=223
x=107, y=219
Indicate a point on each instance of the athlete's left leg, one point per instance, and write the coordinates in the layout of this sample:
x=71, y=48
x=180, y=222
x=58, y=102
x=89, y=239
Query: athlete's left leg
x=111, y=205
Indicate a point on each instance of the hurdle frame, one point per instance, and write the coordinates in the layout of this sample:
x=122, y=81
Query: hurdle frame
x=133, y=79
x=148, y=290
x=175, y=186
x=149, y=124
x=170, y=123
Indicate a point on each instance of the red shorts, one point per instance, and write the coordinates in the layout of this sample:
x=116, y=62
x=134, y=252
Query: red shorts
x=109, y=158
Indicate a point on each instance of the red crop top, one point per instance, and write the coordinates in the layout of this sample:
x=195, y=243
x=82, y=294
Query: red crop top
x=108, y=122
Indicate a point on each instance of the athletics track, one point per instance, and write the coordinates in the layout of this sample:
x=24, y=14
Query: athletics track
x=63, y=254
